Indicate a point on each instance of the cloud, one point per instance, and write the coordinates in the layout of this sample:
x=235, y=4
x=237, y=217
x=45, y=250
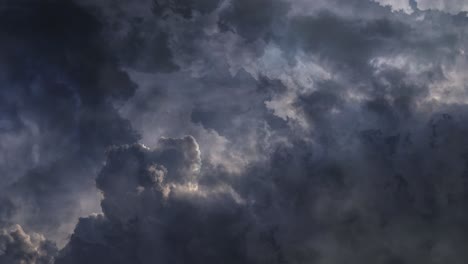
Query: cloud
x=398, y=5
x=17, y=247
x=408, y=6
x=59, y=86
x=252, y=25
x=153, y=204
x=300, y=205
x=323, y=132
x=452, y=6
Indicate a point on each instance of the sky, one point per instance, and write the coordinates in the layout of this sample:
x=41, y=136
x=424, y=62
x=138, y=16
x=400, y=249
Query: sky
x=233, y=131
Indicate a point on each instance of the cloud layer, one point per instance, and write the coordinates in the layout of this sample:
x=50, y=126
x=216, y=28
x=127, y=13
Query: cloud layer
x=233, y=131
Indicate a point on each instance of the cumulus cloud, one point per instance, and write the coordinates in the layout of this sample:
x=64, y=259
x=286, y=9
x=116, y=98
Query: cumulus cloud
x=154, y=203
x=18, y=247
x=297, y=207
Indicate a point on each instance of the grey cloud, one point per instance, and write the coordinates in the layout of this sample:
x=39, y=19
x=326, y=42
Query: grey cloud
x=450, y=6
x=231, y=114
x=350, y=42
x=135, y=31
x=370, y=178
x=131, y=169
x=326, y=132
x=300, y=206
x=18, y=247
x=59, y=86
x=154, y=209
x=243, y=20
x=185, y=8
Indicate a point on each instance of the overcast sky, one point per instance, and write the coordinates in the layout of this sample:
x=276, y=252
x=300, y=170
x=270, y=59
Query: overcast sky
x=233, y=131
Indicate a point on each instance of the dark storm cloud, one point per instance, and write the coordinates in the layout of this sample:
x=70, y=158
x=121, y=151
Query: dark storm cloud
x=59, y=85
x=154, y=208
x=253, y=19
x=324, y=132
x=346, y=42
x=185, y=8
x=298, y=207
x=135, y=30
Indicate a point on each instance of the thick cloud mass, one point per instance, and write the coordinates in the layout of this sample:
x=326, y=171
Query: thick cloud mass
x=58, y=85
x=233, y=131
x=154, y=204
x=17, y=247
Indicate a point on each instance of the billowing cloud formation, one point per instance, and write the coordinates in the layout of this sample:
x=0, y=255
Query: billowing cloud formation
x=385, y=203
x=17, y=247
x=324, y=132
x=153, y=203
